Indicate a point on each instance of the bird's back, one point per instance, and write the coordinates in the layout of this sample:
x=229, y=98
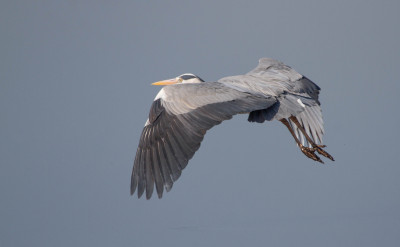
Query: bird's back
x=269, y=78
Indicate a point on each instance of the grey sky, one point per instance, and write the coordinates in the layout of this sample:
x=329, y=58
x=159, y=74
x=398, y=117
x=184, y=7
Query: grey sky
x=75, y=93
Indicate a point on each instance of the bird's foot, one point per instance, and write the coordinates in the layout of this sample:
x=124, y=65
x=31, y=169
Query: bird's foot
x=309, y=152
x=319, y=149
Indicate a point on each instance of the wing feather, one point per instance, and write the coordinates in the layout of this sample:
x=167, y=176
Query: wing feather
x=170, y=160
x=142, y=179
x=149, y=180
x=156, y=173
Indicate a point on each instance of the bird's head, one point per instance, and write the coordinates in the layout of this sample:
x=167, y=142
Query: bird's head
x=184, y=78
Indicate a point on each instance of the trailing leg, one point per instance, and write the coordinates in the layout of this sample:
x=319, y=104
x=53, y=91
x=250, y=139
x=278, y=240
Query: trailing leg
x=316, y=147
x=309, y=152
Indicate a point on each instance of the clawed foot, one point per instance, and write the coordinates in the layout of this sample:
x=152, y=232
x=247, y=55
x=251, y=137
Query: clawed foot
x=310, y=152
x=319, y=149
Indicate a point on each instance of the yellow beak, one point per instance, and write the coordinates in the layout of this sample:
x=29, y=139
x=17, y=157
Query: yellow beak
x=166, y=82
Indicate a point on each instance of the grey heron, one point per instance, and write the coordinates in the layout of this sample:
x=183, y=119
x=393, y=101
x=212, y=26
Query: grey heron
x=187, y=106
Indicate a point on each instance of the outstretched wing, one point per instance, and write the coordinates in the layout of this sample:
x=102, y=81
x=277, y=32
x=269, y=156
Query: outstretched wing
x=296, y=95
x=179, y=118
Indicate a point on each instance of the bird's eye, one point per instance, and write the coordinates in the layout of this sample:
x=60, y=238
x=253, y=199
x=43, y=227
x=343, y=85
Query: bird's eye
x=180, y=80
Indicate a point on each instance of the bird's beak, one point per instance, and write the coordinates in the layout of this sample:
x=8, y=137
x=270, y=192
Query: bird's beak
x=165, y=82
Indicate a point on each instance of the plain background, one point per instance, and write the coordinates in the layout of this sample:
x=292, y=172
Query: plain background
x=75, y=93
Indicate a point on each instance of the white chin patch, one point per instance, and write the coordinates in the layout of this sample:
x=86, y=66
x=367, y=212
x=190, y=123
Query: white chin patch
x=301, y=103
x=147, y=123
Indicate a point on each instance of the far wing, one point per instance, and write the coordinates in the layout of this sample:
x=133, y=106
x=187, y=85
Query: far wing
x=178, y=120
x=273, y=78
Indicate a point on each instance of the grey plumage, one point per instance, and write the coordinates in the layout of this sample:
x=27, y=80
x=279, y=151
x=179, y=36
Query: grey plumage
x=182, y=113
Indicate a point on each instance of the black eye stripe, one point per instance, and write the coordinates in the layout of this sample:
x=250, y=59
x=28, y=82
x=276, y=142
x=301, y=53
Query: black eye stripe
x=187, y=77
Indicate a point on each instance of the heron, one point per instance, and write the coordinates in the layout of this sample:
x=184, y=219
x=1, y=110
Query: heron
x=187, y=106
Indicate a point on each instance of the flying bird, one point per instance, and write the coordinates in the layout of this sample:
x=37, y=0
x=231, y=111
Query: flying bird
x=187, y=106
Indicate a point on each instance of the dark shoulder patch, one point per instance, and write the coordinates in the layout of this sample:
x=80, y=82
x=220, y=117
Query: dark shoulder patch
x=155, y=110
